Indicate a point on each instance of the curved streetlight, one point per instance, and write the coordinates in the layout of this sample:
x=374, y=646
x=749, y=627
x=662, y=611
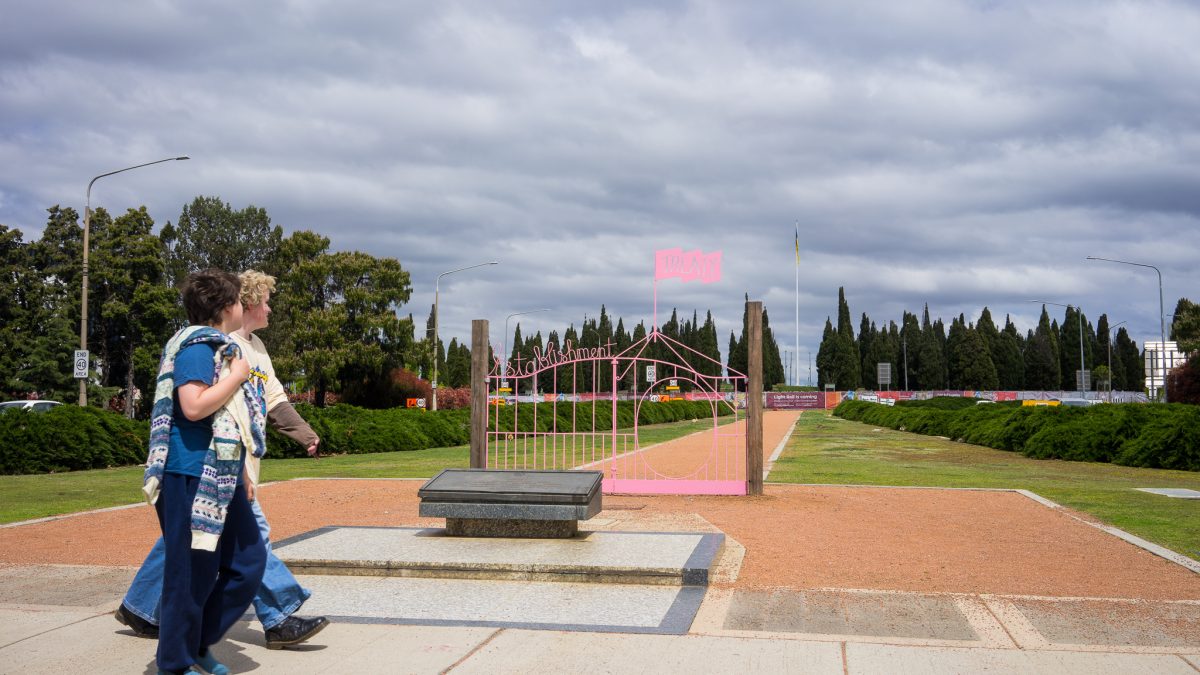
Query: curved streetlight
x=87, y=219
x=504, y=343
x=436, y=285
x=1110, y=372
x=1162, y=327
x=1082, y=365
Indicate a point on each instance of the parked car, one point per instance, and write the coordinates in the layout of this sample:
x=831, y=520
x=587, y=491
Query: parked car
x=31, y=406
x=1077, y=402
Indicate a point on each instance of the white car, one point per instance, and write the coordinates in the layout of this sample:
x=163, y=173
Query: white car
x=32, y=406
x=1078, y=402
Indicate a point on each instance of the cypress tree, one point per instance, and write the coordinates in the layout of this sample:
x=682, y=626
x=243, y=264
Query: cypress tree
x=825, y=356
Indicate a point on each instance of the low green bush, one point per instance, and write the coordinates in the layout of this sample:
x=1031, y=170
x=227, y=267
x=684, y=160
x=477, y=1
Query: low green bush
x=1131, y=434
x=351, y=430
x=69, y=438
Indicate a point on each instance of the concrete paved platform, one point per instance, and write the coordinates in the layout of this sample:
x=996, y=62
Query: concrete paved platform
x=622, y=608
x=609, y=557
x=69, y=644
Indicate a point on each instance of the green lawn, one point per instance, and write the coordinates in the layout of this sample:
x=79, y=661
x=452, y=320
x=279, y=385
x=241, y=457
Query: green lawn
x=825, y=449
x=36, y=496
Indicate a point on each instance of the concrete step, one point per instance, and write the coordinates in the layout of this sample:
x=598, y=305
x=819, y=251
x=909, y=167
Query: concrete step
x=647, y=558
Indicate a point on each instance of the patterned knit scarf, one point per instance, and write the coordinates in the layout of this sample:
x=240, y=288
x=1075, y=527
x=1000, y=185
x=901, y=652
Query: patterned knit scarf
x=240, y=423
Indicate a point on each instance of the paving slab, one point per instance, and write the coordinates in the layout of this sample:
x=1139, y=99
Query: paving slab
x=624, y=557
x=627, y=608
x=1179, y=493
x=899, y=660
x=71, y=585
x=542, y=652
x=839, y=613
x=1114, y=623
x=95, y=645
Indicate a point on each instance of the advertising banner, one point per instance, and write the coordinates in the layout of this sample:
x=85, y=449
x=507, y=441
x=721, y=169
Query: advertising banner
x=794, y=400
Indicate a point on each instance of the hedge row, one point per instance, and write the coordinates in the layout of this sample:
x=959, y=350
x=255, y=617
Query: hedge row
x=1131, y=434
x=69, y=438
x=351, y=430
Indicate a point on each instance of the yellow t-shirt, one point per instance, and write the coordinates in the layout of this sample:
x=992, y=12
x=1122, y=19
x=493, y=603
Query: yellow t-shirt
x=260, y=367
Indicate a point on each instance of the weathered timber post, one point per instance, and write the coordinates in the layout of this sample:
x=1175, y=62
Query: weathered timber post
x=479, y=393
x=754, y=399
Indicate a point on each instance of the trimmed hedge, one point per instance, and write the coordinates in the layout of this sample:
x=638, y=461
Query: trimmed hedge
x=69, y=438
x=352, y=430
x=1131, y=434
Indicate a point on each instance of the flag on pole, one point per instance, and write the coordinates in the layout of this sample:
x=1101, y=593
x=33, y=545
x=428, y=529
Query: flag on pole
x=797, y=245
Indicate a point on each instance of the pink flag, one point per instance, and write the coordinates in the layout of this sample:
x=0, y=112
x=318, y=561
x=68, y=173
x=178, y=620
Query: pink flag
x=688, y=266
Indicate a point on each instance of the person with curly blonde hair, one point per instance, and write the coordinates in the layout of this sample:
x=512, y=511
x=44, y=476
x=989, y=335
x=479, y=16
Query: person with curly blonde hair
x=280, y=595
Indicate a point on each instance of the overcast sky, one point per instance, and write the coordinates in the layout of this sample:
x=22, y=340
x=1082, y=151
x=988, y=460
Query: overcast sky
x=959, y=154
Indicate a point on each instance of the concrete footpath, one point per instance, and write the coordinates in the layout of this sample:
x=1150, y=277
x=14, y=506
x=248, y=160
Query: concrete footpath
x=72, y=630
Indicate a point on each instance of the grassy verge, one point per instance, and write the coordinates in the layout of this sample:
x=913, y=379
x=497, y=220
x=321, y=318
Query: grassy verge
x=40, y=495
x=825, y=449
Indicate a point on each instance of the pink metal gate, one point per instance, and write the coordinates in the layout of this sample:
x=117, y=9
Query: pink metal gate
x=587, y=428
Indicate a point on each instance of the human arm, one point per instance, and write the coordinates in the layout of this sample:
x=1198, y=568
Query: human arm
x=284, y=418
x=198, y=399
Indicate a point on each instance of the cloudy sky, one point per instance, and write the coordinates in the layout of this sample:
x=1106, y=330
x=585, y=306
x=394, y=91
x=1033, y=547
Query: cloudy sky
x=959, y=154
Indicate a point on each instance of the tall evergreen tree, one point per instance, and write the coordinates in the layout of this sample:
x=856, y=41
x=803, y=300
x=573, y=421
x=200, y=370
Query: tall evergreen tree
x=1131, y=359
x=826, y=356
x=210, y=233
x=1010, y=366
x=771, y=361
x=970, y=361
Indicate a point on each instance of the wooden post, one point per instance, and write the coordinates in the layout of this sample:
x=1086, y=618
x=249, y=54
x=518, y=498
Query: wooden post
x=479, y=393
x=754, y=399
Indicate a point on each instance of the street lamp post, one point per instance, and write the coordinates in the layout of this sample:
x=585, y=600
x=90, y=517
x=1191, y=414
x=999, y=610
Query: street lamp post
x=1162, y=327
x=1082, y=365
x=1110, y=372
x=436, y=285
x=87, y=219
x=504, y=342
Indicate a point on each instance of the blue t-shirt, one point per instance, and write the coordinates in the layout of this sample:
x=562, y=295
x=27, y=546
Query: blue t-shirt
x=189, y=440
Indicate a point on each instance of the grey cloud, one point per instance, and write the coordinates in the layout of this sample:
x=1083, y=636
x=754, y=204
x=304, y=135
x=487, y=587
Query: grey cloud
x=952, y=152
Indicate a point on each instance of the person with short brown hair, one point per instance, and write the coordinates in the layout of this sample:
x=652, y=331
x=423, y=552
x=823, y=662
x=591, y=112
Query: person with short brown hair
x=204, y=423
x=280, y=595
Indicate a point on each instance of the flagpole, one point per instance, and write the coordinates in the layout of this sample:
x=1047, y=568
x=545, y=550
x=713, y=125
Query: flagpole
x=796, y=370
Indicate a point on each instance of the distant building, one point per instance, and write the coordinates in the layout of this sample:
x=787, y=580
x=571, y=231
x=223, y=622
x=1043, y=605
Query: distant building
x=1160, y=358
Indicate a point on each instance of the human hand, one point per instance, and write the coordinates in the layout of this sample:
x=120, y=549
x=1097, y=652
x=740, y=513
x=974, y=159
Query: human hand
x=250, y=489
x=312, y=449
x=239, y=368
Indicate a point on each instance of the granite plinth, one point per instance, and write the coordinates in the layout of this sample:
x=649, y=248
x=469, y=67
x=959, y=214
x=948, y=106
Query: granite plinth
x=508, y=503
x=505, y=486
x=512, y=528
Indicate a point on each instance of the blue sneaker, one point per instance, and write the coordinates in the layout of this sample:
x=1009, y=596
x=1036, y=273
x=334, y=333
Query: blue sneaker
x=210, y=664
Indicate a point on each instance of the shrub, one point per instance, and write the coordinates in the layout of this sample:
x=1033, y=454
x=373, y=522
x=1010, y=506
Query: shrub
x=70, y=438
x=1133, y=434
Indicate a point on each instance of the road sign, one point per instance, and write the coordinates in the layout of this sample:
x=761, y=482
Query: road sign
x=884, y=373
x=81, y=364
x=650, y=374
x=1083, y=380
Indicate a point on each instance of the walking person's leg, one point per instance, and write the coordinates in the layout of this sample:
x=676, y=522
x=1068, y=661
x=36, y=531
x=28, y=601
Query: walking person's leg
x=140, y=608
x=242, y=559
x=280, y=596
x=192, y=574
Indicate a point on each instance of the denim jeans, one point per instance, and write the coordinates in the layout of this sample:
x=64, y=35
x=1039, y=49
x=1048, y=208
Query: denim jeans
x=279, y=596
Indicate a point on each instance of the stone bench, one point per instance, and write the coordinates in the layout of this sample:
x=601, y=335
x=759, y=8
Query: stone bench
x=512, y=503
